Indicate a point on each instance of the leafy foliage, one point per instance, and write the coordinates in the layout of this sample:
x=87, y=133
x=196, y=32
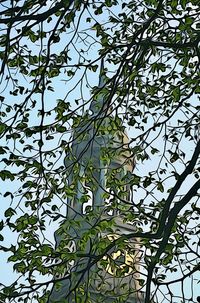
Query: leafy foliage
x=50, y=55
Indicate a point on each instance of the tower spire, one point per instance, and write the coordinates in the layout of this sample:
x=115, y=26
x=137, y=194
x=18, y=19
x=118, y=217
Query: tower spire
x=102, y=81
x=92, y=175
x=98, y=103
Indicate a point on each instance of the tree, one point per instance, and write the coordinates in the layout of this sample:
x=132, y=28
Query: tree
x=151, y=54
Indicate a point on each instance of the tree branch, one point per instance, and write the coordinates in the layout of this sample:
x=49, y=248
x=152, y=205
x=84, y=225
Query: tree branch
x=39, y=17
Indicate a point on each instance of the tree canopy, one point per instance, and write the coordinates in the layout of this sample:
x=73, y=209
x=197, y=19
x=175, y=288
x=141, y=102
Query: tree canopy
x=50, y=62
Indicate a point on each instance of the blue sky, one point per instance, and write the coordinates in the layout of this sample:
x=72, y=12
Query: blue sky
x=61, y=87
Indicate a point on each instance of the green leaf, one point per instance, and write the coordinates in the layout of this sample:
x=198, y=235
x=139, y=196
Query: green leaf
x=61, y=129
x=10, y=212
x=2, y=150
x=154, y=150
x=46, y=250
x=174, y=157
x=33, y=37
x=108, y=3
x=167, y=259
x=53, y=73
x=160, y=187
x=147, y=182
x=1, y=224
x=94, y=67
x=176, y=93
x=8, y=194
x=189, y=20
x=20, y=267
x=183, y=3
x=174, y=3
x=2, y=127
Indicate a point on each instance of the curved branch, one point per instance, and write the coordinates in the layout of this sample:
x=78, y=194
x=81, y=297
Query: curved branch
x=177, y=186
x=39, y=17
x=196, y=268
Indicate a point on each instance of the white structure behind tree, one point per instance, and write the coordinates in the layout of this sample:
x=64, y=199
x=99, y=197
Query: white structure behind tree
x=98, y=152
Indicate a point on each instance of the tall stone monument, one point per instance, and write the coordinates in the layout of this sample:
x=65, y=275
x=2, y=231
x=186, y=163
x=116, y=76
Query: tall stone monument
x=112, y=277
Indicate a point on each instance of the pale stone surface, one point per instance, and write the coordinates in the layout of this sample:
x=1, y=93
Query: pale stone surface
x=88, y=150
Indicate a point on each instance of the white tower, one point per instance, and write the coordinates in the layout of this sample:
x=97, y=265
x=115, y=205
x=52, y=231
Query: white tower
x=94, y=277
